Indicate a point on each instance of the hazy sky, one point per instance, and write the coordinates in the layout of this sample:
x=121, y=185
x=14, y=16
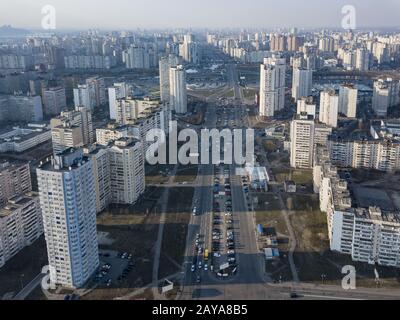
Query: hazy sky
x=131, y=14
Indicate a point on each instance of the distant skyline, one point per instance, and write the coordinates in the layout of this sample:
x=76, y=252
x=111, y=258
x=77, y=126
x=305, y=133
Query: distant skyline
x=158, y=14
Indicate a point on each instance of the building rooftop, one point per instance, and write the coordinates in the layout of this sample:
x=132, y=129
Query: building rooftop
x=15, y=203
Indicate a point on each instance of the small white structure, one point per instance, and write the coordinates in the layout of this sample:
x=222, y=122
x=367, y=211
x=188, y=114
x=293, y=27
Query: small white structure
x=258, y=177
x=271, y=253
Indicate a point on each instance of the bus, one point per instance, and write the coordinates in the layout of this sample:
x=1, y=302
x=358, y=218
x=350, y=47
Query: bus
x=206, y=255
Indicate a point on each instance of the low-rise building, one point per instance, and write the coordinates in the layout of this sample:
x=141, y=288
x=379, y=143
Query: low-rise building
x=20, y=139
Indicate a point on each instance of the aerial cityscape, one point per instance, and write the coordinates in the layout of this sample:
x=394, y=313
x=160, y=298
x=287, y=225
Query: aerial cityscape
x=175, y=151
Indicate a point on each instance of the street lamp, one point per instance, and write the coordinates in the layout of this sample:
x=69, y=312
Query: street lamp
x=20, y=280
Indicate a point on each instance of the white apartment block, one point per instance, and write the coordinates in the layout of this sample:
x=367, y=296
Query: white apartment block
x=386, y=95
x=99, y=90
x=118, y=171
x=20, y=225
x=84, y=95
x=362, y=59
x=302, y=83
x=90, y=62
x=178, y=91
x=113, y=132
x=54, y=101
x=348, y=95
x=15, y=179
x=383, y=154
x=165, y=64
x=272, y=86
x=329, y=108
x=81, y=117
x=127, y=174
x=116, y=92
x=102, y=179
x=306, y=105
x=14, y=61
x=68, y=202
x=21, y=108
x=66, y=136
x=131, y=109
x=302, y=142
x=369, y=235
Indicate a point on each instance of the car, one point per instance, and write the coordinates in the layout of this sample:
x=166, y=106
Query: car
x=200, y=265
x=217, y=255
x=109, y=282
x=195, y=211
x=229, y=252
x=193, y=268
x=206, y=267
x=198, y=279
x=229, y=221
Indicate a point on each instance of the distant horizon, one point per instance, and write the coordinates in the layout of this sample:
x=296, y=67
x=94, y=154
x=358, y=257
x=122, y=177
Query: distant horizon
x=62, y=30
x=76, y=15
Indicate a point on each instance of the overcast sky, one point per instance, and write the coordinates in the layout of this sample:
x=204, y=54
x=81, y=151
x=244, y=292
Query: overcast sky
x=131, y=14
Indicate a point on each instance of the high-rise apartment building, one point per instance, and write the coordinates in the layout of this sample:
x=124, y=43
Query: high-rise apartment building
x=19, y=108
x=126, y=170
x=117, y=91
x=68, y=202
x=66, y=136
x=178, y=93
x=118, y=171
x=272, y=86
x=302, y=83
x=386, y=95
x=165, y=64
x=80, y=117
x=329, y=108
x=54, y=101
x=91, y=94
x=348, y=95
x=302, y=141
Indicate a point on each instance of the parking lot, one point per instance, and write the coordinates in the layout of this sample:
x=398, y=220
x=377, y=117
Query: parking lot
x=114, y=267
x=223, y=236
